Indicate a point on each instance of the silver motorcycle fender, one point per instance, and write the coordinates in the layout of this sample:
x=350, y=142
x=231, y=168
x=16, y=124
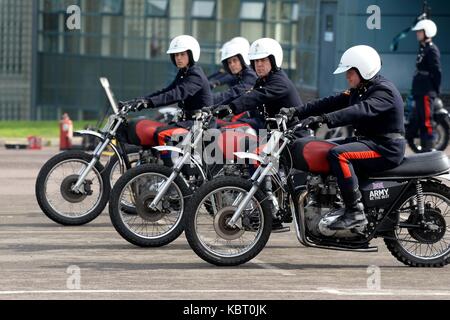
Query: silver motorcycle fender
x=181, y=152
x=102, y=138
x=248, y=155
x=169, y=148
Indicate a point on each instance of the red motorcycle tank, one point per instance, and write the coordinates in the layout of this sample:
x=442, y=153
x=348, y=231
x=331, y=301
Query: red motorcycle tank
x=141, y=132
x=311, y=155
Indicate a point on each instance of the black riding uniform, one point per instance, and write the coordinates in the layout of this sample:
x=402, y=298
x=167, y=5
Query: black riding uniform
x=425, y=88
x=243, y=82
x=221, y=78
x=190, y=90
x=375, y=110
x=267, y=97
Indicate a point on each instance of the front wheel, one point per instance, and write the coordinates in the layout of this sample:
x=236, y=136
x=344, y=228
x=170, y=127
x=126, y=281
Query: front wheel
x=148, y=227
x=423, y=241
x=54, y=189
x=208, y=233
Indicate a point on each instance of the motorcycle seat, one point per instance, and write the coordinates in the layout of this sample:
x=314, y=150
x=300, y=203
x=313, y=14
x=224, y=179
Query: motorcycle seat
x=419, y=165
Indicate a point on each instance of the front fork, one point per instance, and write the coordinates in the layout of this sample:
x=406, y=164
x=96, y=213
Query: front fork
x=251, y=193
x=96, y=156
x=165, y=186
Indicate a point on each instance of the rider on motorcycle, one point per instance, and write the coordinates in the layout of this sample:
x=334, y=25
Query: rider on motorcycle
x=426, y=83
x=222, y=76
x=374, y=107
x=235, y=61
x=190, y=89
x=272, y=90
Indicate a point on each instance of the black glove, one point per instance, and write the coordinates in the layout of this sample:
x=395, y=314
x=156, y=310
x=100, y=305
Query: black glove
x=288, y=112
x=222, y=111
x=311, y=121
x=140, y=103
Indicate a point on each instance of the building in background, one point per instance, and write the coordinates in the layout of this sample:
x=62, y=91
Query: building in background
x=46, y=69
x=16, y=59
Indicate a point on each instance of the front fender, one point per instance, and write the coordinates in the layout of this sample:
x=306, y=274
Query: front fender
x=89, y=133
x=169, y=148
x=248, y=155
x=102, y=138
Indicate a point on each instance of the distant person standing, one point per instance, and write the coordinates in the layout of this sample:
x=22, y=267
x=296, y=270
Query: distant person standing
x=426, y=84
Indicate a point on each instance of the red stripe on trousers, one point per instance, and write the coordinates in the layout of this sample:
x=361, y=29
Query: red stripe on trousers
x=237, y=117
x=163, y=135
x=360, y=155
x=426, y=100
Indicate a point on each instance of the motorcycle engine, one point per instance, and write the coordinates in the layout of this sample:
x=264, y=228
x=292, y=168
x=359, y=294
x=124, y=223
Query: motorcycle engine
x=323, y=196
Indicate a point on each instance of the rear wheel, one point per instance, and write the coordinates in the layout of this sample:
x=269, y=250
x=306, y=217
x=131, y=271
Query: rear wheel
x=423, y=241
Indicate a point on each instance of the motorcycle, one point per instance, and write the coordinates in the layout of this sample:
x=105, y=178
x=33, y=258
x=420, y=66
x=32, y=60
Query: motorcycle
x=406, y=206
x=73, y=187
x=160, y=192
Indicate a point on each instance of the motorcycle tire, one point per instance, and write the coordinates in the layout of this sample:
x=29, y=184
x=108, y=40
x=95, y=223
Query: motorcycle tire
x=49, y=210
x=115, y=207
x=395, y=247
x=190, y=218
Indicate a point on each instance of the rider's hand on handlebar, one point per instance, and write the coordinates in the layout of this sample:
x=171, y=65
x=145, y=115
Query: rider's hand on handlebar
x=219, y=111
x=139, y=104
x=311, y=121
x=222, y=111
x=288, y=112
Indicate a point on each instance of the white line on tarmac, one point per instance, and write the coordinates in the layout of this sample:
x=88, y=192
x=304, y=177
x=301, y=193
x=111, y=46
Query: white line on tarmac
x=272, y=268
x=330, y=291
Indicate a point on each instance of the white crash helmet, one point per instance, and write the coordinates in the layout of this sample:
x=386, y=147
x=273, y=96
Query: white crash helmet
x=267, y=47
x=185, y=43
x=241, y=40
x=364, y=58
x=428, y=26
x=231, y=49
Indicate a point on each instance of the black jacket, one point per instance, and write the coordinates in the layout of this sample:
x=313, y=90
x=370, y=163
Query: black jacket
x=244, y=81
x=427, y=79
x=190, y=89
x=221, y=78
x=373, y=110
x=267, y=97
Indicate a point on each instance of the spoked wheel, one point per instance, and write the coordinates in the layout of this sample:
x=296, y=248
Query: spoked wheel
x=55, y=194
x=113, y=171
x=149, y=227
x=209, y=234
x=424, y=241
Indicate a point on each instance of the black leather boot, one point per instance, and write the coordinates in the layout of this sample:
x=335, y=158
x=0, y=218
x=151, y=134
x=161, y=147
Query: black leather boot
x=352, y=215
x=350, y=218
